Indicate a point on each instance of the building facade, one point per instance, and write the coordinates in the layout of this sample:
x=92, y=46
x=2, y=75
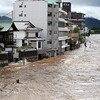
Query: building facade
x=42, y=14
x=78, y=19
x=63, y=29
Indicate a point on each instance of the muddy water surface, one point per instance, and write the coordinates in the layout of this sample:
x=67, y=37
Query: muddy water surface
x=73, y=76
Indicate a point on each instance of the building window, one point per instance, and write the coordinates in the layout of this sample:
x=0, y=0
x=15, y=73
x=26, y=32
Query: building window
x=50, y=23
x=50, y=32
x=24, y=15
x=32, y=41
x=24, y=6
x=23, y=43
x=50, y=5
x=21, y=14
x=49, y=42
x=36, y=34
x=50, y=14
x=39, y=44
x=21, y=5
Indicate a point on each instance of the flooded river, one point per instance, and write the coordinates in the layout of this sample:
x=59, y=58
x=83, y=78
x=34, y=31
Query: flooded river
x=73, y=76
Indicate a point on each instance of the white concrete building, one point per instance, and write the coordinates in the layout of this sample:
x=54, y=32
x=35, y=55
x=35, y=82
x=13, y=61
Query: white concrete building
x=63, y=29
x=42, y=14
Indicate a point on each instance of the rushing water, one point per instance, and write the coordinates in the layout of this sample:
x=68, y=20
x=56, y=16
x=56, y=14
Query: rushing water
x=73, y=76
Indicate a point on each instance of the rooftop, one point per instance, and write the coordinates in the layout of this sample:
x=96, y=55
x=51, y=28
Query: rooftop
x=5, y=25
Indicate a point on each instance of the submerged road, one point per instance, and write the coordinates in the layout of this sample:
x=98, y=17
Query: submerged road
x=73, y=76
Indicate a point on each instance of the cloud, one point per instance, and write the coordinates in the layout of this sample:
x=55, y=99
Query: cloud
x=85, y=2
x=90, y=11
x=5, y=2
x=6, y=6
x=89, y=7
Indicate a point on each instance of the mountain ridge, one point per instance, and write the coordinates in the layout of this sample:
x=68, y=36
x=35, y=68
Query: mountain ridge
x=91, y=22
x=5, y=18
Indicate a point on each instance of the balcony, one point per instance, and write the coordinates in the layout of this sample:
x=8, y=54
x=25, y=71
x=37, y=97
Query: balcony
x=62, y=11
x=64, y=29
x=80, y=20
x=62, y=20
x=63, y=38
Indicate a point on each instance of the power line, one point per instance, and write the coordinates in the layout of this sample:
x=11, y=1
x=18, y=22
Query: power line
x=9, y=14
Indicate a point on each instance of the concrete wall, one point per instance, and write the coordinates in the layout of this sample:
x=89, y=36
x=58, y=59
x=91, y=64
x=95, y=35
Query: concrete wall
x=19, y=36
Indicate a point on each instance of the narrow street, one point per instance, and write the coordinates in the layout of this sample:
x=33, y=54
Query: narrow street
x=73, y=76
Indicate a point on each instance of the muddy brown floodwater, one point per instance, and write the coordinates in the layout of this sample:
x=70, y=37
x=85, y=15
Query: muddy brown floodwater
x=73, y=76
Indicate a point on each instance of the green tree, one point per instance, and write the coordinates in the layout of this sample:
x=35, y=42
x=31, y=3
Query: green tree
x=76, y=30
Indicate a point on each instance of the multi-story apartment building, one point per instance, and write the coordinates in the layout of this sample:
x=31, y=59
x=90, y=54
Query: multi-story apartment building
x=42, y=14
x=78, y=19
x=63, y=29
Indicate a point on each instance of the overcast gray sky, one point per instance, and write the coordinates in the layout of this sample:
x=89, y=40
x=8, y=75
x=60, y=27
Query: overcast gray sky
x=90, y=7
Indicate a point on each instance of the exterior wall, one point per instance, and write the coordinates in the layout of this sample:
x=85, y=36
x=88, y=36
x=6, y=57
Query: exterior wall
x=18, y=43
x=18, y=37
x=32, y=35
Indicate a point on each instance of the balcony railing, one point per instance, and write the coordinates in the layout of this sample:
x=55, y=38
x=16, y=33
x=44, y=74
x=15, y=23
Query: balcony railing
x=63, y=38
x=65, y=29
x=62, y=20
